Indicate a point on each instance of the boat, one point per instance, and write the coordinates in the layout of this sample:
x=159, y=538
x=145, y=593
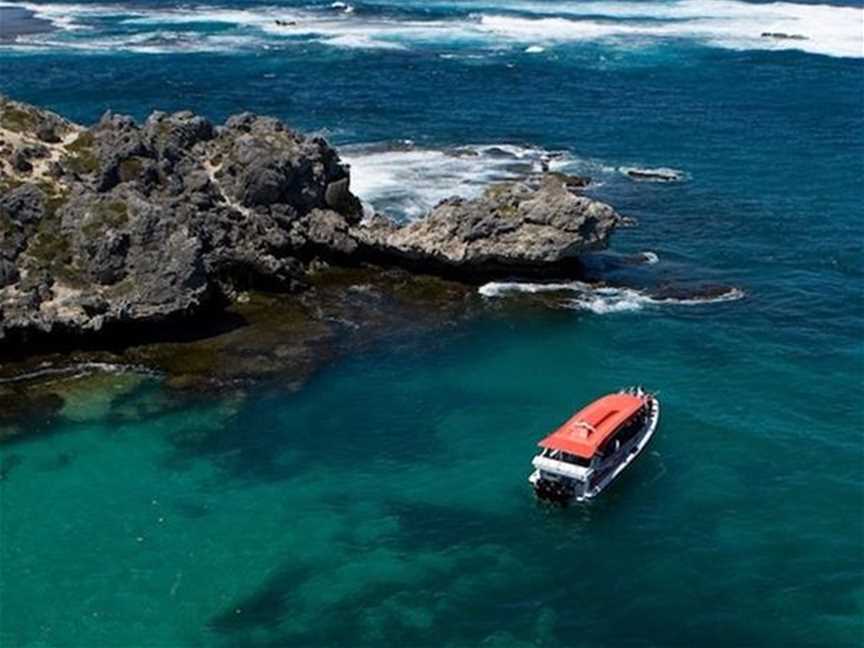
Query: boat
x=580, y=459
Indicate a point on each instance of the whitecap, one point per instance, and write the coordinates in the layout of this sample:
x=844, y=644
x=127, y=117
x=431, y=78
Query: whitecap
x=157, y=42
x=534, y=49
x=78, y=370
x=653, y=174
x=407, y=181
x=731, y=24
x=358, y=41
x=729, y=295
x=503, y=288
x=650, y=258
x=602, y=300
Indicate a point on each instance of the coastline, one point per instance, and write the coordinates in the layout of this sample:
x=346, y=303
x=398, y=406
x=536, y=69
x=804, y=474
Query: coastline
x=228, y=416
x=218, y=256
x=121, y=229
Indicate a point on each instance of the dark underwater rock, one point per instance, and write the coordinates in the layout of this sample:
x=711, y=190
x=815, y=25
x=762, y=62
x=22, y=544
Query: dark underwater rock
x=654, y=175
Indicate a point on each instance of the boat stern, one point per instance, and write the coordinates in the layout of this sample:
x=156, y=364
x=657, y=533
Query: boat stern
x=557, y=481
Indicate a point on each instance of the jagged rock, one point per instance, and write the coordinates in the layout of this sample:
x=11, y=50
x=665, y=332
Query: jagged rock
x=47, y=132
x=329, y=231
x=172, y=136
x=21, y=162
x=511, y=226
x=338, y=196
x=8, y=273
x=263, y=163
x=24, y=204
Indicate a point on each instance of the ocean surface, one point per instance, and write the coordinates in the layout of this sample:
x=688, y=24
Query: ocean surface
x=385, y=503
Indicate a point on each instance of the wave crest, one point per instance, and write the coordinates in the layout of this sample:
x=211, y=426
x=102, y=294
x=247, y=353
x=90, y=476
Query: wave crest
x=730, y=24
x=78, y=370
x=406, y=181
x=604, y=299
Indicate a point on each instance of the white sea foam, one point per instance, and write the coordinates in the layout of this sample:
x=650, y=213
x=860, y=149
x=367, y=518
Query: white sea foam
x=359, y=41
x=534, y=49
x=653, y=174
x=156, y=42
x=578, y=295
x=342, y=7
x=406, y=181
x=77, y=370
x=829, y=30
x=651, y=258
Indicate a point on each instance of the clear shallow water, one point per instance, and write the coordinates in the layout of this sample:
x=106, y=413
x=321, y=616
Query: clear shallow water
x=386, y=503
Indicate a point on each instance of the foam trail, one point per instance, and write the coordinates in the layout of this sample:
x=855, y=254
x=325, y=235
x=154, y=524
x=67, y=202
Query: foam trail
x=361, y=42
x=655, y=174
x=78, y=370
x=602, y=299
x=503, y=288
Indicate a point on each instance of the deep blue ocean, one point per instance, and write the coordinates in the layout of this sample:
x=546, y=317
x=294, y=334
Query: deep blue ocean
x=386, y=502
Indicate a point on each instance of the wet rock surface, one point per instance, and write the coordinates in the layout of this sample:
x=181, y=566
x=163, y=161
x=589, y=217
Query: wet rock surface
x=515, y=226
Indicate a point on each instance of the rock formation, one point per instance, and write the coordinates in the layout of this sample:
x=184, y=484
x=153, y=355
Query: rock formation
x=142, y=223
x=511, y=227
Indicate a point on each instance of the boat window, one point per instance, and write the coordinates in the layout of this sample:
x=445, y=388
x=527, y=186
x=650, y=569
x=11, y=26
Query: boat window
x=566, y=457
x=575, y=459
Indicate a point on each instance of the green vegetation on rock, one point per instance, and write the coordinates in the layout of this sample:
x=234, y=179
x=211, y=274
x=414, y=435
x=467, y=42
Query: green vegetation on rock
x=130, y=169
x=106, y=216
x=16, y=119
x=81, y=159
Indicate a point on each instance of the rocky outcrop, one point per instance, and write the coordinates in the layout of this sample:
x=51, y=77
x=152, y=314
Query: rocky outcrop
x=511, y=227
x=141, y=223
x=124, y=222
x=784, y=36
x=654, y=175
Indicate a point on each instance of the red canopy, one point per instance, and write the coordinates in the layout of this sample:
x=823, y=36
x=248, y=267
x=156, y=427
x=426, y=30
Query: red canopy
x=586, y=430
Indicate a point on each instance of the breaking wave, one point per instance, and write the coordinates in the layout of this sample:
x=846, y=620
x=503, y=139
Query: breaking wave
x=578, y=295
x=78, y=370
x=655, y=174
x=406, y=181
x=731, y=24
x=650, y=258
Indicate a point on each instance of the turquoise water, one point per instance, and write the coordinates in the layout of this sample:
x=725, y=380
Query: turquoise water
x=386, y=502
